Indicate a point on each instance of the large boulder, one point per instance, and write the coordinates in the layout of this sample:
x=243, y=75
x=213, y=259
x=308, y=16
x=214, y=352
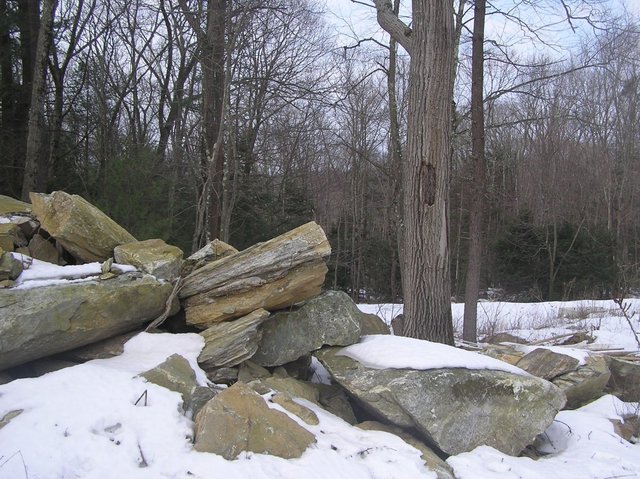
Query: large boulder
x=273, y=275
x=453, y=409
x=238, y=419
x=330, y=319
x=42, y=321
x=152, y=256
x=232, y=342
x=81, y=228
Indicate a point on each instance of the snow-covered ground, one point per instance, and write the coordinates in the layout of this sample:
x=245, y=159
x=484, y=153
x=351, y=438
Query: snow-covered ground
x=83, y=421
x=536, y=321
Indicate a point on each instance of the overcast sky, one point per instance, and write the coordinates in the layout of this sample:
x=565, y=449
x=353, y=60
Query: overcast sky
x=353, y=21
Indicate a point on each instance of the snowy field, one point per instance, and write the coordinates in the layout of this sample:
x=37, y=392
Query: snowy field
x=536, y=321
x=83, y=421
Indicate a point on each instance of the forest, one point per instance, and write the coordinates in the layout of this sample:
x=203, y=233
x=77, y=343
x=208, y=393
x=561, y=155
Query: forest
x=241, y=119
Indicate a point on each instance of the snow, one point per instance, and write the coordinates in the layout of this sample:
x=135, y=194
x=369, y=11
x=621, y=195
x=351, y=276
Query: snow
x=40, y=273
x=83, y=421
x=537, y=321
x=397, y=352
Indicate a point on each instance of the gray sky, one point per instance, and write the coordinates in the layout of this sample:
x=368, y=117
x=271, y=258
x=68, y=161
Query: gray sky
x=354, y=20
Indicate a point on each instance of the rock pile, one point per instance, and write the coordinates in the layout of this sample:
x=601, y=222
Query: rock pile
x=265, y=323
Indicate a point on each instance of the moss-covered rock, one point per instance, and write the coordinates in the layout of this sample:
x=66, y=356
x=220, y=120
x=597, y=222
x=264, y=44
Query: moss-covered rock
x=42, y=321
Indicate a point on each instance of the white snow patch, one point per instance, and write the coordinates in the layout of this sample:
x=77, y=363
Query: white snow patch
x=398, y=352
x=40, y=273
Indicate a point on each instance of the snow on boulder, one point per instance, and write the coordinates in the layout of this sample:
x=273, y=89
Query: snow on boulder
x=456, y=400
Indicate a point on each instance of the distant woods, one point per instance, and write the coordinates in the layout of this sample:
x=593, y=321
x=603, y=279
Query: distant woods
x=244, y=119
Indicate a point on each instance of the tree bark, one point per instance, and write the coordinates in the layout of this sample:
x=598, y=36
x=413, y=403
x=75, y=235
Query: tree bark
x=36, y=134
x=425, y=279
x=478, y=179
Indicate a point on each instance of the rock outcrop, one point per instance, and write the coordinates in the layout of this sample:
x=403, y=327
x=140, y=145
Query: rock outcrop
x=232, y=342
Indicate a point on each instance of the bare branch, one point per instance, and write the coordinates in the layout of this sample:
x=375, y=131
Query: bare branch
x=395, y=27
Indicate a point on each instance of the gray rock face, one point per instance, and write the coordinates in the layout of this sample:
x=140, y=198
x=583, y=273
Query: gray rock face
x=454, y=409
x=175, y=374
x=38, y=322
x=330, y=319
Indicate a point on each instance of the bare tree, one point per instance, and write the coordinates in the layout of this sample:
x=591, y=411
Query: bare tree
x=36, y=135
x=425, y=275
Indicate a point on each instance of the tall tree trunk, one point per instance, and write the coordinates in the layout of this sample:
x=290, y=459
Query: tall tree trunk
x=36, y=133
x=213, y=95
x=478, y=180
x=395, y=147
x=426, y=282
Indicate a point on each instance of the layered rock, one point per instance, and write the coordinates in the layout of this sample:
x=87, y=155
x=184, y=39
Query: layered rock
x=209, y=253
x=453, y=409
x=232, y=342
x=81, y=228
x=330, y=319
x=276, y=274
x=42, y=321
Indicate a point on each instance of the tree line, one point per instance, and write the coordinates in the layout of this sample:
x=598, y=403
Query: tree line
x=241, y=119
